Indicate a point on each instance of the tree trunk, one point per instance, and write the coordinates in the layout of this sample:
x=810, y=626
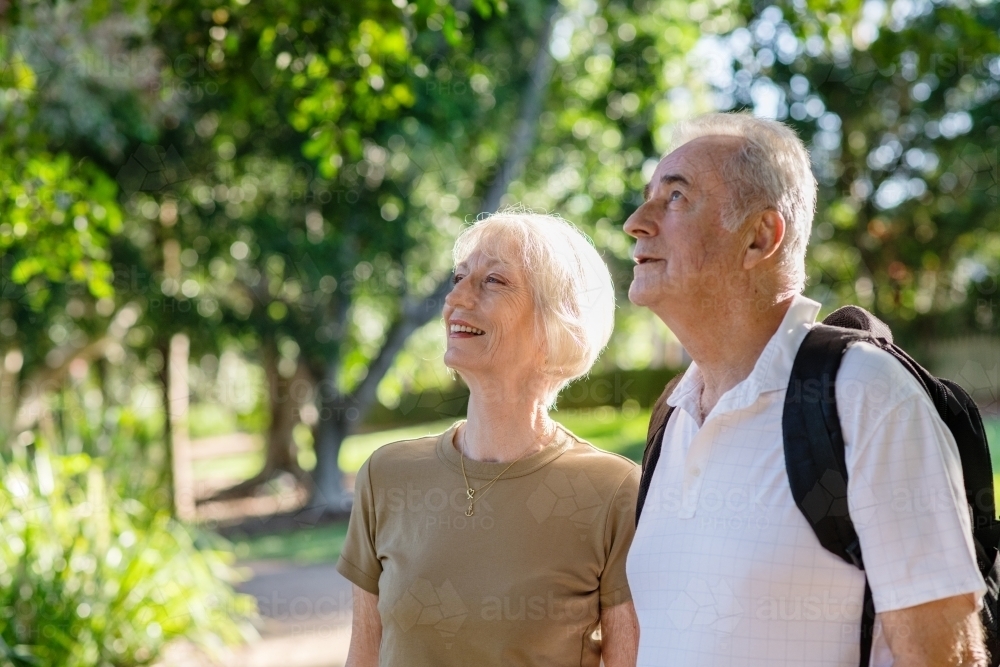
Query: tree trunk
x=10, y=371
x=332, y=427
x=285, y=396
x=281, y=450
x=166, y=480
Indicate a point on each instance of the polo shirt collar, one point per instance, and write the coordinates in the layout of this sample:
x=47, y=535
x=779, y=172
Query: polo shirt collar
x=770, y=373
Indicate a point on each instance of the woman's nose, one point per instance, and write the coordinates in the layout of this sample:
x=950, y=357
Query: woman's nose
x=460, y=295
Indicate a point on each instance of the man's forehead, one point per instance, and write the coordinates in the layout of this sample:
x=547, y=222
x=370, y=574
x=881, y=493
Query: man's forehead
x=696, y=162
x=702, y=153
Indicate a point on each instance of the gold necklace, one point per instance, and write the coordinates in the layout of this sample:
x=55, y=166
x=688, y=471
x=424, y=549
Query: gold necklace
x=470, y=493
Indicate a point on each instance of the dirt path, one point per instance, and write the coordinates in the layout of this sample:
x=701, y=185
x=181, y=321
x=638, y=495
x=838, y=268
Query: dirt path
x=306, y=614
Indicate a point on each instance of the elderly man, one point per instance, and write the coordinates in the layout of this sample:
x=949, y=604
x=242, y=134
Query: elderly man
x=724, y=568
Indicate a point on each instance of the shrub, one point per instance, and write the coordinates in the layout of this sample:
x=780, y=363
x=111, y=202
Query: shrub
x=92, y=579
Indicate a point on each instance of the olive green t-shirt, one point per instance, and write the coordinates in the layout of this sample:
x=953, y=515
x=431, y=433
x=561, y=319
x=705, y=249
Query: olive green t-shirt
x=520, y=582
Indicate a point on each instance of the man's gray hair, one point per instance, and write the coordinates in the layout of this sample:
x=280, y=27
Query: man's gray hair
x=770, y=170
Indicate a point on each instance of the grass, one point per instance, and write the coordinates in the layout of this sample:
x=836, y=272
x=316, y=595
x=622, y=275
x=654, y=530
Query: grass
x=357, y=448
x=302, y=547
x=607, y=428
x=241, y=466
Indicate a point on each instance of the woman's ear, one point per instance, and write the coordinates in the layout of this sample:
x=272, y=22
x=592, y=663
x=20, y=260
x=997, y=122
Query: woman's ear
x=765, y=238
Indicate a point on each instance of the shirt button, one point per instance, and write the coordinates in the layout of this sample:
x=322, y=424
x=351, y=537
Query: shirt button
x=696, y=471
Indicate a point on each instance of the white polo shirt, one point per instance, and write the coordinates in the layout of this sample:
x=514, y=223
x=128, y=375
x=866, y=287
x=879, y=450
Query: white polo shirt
x=725, y=570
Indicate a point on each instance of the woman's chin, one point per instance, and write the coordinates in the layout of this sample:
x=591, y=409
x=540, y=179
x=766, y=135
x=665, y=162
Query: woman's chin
x=456, y=361
x=466, y=364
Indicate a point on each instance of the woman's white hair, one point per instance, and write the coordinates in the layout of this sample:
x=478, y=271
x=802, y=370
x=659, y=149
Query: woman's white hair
x=770, y=170
x=572, y=290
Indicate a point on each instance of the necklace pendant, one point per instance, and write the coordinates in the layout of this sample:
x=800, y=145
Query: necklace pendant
x=469, y=511
x=469, y=493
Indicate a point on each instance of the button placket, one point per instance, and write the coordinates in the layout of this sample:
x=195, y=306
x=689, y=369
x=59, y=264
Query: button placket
x=694, y=470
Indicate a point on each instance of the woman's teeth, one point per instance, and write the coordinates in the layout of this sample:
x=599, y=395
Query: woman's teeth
x=459, y=328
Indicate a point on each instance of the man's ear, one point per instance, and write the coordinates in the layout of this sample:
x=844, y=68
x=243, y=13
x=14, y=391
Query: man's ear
x=765, y=236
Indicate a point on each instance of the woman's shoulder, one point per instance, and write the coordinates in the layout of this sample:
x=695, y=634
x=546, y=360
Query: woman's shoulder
x=596, y=462
x=403, y=454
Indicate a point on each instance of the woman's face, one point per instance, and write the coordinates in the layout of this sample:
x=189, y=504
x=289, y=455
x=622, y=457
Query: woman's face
x=489, y=318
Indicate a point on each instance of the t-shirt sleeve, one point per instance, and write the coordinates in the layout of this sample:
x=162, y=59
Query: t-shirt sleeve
x=359, y=560
x=618, y=535
x=906, y=492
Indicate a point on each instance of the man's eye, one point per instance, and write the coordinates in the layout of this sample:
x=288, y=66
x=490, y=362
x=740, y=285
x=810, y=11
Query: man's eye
x=675, y=195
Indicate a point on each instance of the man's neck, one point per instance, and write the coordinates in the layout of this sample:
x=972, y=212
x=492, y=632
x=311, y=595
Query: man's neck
x=726, y=343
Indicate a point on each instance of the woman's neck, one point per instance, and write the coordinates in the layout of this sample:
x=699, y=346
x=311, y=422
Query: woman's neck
x=504, y=424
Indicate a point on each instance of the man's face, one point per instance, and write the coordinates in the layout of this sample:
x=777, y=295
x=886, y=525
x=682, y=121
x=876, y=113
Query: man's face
x=682, y=252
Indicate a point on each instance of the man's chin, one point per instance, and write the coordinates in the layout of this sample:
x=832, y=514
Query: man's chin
x=640, y=295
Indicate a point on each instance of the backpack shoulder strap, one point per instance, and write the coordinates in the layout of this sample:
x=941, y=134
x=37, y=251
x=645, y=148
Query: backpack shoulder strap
x=654, y=441
x=814, y=443
x=814, y=453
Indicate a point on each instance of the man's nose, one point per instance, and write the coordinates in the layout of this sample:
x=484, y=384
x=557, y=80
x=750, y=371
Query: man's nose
x=640, y=223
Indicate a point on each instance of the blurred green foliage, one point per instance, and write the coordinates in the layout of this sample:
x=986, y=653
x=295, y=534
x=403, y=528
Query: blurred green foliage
x=284, y=180
x=900, y=105
x=90, y=578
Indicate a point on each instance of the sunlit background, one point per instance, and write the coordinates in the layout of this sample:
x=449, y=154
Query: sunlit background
x=225, y=234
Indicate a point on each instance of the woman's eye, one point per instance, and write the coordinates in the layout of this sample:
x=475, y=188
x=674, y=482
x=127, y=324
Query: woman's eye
x=493, y=279
x=455, y=278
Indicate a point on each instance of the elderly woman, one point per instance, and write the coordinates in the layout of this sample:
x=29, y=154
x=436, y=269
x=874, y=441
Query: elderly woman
x=503, y=540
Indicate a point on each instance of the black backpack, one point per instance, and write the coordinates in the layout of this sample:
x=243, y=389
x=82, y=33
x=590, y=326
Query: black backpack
x=816, y=466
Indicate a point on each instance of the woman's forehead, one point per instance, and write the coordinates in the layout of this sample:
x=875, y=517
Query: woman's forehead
x=493, y=255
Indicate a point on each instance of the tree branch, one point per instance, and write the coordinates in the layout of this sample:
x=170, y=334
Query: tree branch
x=416, y=313
x=419, y=311
x=34, y=388
x=527, y=120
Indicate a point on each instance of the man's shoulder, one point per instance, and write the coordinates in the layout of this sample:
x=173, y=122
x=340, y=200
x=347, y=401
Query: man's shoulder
x=871, y=381
x=866, y=364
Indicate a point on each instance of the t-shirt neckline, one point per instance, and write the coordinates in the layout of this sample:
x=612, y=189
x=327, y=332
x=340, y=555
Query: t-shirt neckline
x=487, y=470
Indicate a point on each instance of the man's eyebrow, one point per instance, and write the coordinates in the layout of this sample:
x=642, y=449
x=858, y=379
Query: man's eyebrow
x=666, y=179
